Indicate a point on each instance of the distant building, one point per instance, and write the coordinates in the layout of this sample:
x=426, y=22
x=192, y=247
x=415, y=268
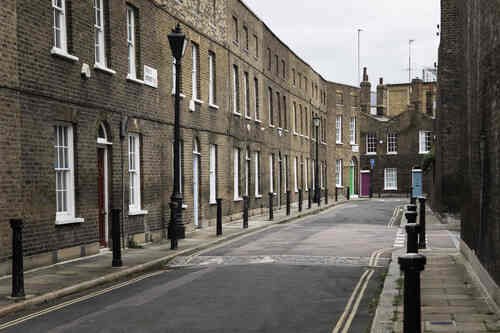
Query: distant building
x=396, y=140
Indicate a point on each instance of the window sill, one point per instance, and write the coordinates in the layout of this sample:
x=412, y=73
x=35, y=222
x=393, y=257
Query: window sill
x=213, y=106
x=237, y=199
x=193, y=103
x=184, y=206
x=258, y=121
x=295, y=133
x=272, y=126
x=212, y=203
x=104, y=69
x=69, y=220
x=390, y=189
x=423, y=152
x=64, y=54
x=133, y=79
x=181, y=94
x=258, y=196
x=371, y=154
x=248, y=118
x=388, y=153
x=237, y=114
x=137, y=212
x=339, y=186
x=339, y=143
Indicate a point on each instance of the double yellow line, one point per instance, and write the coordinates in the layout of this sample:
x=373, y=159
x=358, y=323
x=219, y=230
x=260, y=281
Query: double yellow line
x=345, y=321
x=76, y=300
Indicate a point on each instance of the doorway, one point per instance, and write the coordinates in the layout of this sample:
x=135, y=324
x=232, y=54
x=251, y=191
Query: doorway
x=353, y=176
x=365, y=183
x=416, y=182
x=102, y=185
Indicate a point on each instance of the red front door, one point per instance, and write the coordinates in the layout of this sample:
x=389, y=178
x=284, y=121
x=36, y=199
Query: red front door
x=365, y=184
x=101, y=188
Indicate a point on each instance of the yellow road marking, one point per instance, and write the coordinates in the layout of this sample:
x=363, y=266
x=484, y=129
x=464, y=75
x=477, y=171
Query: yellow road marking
x=358, y=301
x=348, y=306
x=76, y=300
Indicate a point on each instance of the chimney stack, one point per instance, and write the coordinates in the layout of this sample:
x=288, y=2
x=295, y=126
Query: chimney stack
x=365, y=98
x=381, y=98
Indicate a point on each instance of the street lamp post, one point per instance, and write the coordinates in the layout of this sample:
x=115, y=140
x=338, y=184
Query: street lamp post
x=316, y=121
x=176, y=229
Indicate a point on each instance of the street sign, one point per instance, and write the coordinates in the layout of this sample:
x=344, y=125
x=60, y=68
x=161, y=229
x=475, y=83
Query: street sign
x=372, y=163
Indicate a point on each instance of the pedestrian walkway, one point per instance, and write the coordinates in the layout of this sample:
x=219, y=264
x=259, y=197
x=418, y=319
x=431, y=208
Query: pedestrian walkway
x=451, y=300
x=52, y=282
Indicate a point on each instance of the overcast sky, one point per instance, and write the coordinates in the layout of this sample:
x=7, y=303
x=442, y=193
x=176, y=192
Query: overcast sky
x=324, y=34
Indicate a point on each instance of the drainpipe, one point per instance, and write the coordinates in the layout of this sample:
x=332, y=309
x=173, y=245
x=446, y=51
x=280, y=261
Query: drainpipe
x=482, y=194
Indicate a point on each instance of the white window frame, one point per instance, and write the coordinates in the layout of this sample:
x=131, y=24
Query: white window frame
x=271, y=173
x=392, y=143
x=390, y=179
x=338, y=129
x=246, y=95
x=64, y=167
x=371, y=139
x=306, y=174
x=236, y=92
x=424, y=142
x=59, y=17
x=248, y=162
x=134, y=170
x=132, y=65
x=100, y=43
x=313, y=174
x=270, y=106
x=213, y=173
x=321, y=184
x=352, y=134
x=338, y=173
x=295, y=176
x=294, y=118
x=285, y=172
x=194, y=72
x=236, y=171
x=211, y=79
x=256, y=101
x=257, y=174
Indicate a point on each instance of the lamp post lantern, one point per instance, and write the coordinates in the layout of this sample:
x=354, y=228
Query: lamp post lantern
x=176, y=229
x=316, y=122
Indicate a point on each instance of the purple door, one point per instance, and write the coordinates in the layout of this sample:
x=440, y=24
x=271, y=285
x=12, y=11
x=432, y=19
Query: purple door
x=365, y=184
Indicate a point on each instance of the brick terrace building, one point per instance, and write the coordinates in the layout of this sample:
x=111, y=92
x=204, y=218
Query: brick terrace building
x=398, y=137
x=468, y=126
x=86, y=108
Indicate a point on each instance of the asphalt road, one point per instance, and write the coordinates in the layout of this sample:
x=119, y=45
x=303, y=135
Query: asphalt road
x=319, y=274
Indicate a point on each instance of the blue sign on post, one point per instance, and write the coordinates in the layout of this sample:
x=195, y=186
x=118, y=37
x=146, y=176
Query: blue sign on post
x=372, y=163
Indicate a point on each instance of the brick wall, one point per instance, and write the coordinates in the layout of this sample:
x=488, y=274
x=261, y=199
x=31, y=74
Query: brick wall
x=468, y=124
x=40, y=90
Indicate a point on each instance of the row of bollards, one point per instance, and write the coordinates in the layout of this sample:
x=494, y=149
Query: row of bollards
x=17, y=234
x=412, y=264
x=18, y=259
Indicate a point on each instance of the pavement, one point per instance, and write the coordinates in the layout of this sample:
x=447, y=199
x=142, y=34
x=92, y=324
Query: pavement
x=50, y=283
x=452, y=300
x=319, y=273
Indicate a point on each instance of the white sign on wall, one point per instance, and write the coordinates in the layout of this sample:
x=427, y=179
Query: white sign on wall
x=150, y=76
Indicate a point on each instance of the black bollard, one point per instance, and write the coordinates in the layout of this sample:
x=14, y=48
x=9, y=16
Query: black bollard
x=288, y=199
x=116, y=237
x=246, y=203
x=326, y=196
x=422, y=236
x=309, y=199
x=271, y=213
x=411, y=208
x=17, y=258
x=410, y=194
x=412, y=264
x=219, y=217
x=411, y=217
x=371, y=191
x=379, y=195
x=348, y=190
x=336, y=194
x=318, y=197
x=412, y=231
x=300, y=200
